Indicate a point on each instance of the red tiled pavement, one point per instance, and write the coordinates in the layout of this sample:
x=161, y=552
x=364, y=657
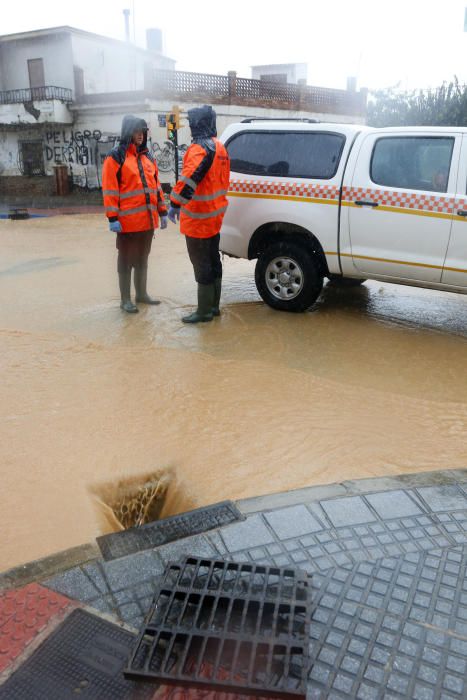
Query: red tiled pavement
x=24, y=612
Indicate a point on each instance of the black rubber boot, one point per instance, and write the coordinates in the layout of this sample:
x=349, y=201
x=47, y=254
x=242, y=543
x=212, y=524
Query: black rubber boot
x=124, y=280
x=205, y=303
x=141, y=278
x=217, y=296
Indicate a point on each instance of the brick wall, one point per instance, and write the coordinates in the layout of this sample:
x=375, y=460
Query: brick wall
x=11, y=185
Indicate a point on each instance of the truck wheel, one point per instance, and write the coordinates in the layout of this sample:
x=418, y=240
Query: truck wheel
x=288, y=277
x=346, y=281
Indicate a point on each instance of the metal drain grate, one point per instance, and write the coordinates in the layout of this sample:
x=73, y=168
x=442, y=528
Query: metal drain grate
x=84, y=657
x=136, y=539
x=227, y=626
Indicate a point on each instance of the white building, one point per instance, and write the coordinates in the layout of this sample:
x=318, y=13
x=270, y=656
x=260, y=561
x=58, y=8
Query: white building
x=63, y=93
x=43, y=73
x=281, y=72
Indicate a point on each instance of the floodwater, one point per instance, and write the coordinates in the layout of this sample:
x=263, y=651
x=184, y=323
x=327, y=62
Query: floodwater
x=372, y=382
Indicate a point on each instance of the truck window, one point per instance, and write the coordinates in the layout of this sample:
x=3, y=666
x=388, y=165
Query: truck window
x=287, y=154
x=412, y=162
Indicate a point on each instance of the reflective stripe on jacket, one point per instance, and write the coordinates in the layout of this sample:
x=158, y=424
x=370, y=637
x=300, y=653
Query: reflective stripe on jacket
x=201, y=191
x=132, y=191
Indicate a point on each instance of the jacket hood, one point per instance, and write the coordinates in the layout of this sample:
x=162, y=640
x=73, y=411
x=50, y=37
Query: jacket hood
x=202, y=122
x=130, y=124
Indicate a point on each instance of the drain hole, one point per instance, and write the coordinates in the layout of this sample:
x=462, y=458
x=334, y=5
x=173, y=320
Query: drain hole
x=139, y=499
x=133, y=501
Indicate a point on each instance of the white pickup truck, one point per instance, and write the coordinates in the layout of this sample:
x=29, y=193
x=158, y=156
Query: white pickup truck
x=347, y=202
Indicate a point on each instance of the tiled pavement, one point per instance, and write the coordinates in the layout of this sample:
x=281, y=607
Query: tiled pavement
x=389, y=580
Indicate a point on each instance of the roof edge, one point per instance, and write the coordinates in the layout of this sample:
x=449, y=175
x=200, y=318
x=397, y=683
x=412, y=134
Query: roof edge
x=66, y=29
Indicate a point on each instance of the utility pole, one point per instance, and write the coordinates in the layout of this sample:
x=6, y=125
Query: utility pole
x=173, y=125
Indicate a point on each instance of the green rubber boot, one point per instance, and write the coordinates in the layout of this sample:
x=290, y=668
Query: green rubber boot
x=205, y=303
x=141, y=279
x=124, y=280
x=217, y=296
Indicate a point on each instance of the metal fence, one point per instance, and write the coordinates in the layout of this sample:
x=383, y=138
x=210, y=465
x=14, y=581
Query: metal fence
x=228, y=89
x=46, y=92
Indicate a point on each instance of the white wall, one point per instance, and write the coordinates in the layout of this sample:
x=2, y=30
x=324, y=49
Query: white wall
x=293, y=71
x=8, y=153
x=54, y=49
x=50, y=111
x=111, y=66
x=95, y=130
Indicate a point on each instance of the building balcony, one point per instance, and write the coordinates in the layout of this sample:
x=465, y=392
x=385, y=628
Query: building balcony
x=31, y=106
x=44, y=93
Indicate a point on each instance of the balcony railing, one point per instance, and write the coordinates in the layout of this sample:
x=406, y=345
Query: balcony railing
x=229, y=89
x=46, y=92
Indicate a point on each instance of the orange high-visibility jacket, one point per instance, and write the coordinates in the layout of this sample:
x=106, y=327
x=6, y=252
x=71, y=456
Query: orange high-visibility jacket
x=132, y=190
x=201, y=191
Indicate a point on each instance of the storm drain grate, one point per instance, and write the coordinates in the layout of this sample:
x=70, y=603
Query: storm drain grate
x=155, y=534
x=227, y=626
x=84, y=657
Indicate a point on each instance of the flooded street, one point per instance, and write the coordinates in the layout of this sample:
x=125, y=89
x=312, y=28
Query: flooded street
x=372, y=382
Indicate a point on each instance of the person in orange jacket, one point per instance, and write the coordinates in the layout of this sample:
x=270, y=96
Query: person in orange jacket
x=199, y=202
x=133, y=201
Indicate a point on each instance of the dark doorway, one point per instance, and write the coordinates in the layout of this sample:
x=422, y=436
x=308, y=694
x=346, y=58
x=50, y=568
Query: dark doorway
x=36, y=77
x=30, y=158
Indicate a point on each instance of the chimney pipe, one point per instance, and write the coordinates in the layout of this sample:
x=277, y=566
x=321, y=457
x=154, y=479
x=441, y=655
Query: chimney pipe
x=126, y=14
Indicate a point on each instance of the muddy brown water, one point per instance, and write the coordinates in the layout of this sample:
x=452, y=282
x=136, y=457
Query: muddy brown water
x=372, y=382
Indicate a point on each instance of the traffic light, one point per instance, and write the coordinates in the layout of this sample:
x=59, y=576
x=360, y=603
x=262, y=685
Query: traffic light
x=171, y=128
x=173, y=122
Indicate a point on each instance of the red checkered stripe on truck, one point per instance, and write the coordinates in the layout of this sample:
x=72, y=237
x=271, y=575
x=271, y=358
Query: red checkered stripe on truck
x=284, y=189
x=437, y=203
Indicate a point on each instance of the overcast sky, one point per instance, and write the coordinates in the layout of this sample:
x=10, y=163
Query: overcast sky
x=413, y=43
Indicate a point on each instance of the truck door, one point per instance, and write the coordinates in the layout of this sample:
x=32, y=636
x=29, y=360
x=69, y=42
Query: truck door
x=455, y=266
x=401, y=203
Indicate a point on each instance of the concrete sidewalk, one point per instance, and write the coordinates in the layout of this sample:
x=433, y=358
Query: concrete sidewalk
x=389, y=564
x=41, y=205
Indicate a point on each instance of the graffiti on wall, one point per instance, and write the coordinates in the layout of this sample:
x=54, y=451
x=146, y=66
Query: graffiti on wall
x=83, y=152
x=76, y=147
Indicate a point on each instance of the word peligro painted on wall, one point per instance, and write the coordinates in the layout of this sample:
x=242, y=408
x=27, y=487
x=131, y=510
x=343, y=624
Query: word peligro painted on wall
x=71, y=147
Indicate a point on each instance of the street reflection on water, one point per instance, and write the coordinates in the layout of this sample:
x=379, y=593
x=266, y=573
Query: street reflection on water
x=371, y=382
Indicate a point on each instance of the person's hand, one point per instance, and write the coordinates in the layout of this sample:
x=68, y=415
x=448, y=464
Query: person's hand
x=115, y=226
x=174, y=215
x=163, y=221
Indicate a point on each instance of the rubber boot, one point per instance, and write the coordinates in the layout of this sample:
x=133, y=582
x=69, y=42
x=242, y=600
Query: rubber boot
x=124, y=279
x=141, y=278
x=217, y=296
x=205, y=303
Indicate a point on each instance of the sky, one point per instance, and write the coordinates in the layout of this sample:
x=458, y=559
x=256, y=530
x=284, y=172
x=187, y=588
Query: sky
x=407, y=43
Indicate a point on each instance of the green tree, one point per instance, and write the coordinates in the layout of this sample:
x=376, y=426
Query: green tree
x=443, y=106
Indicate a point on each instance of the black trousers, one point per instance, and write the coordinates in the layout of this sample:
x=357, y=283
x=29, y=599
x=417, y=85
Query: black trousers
x=133, y=249
x=205, y=258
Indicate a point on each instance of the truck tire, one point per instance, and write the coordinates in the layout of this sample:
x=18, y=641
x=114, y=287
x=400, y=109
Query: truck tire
x=288, y=277
x=338, y=281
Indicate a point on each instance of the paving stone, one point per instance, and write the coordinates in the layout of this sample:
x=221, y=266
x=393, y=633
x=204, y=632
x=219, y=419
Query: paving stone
x=393, y=504
x=368, y=692
x=348, y=511
x=443, y=498
x=125, y=572
x=198, y=546
x=95, y=573
x=75, y=584
x=455, y=663
x=423, y=692
x=292, y=522
x=251, y=533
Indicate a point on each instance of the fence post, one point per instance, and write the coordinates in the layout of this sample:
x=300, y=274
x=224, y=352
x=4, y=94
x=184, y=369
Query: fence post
x=302, y=95
x=232, y=75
